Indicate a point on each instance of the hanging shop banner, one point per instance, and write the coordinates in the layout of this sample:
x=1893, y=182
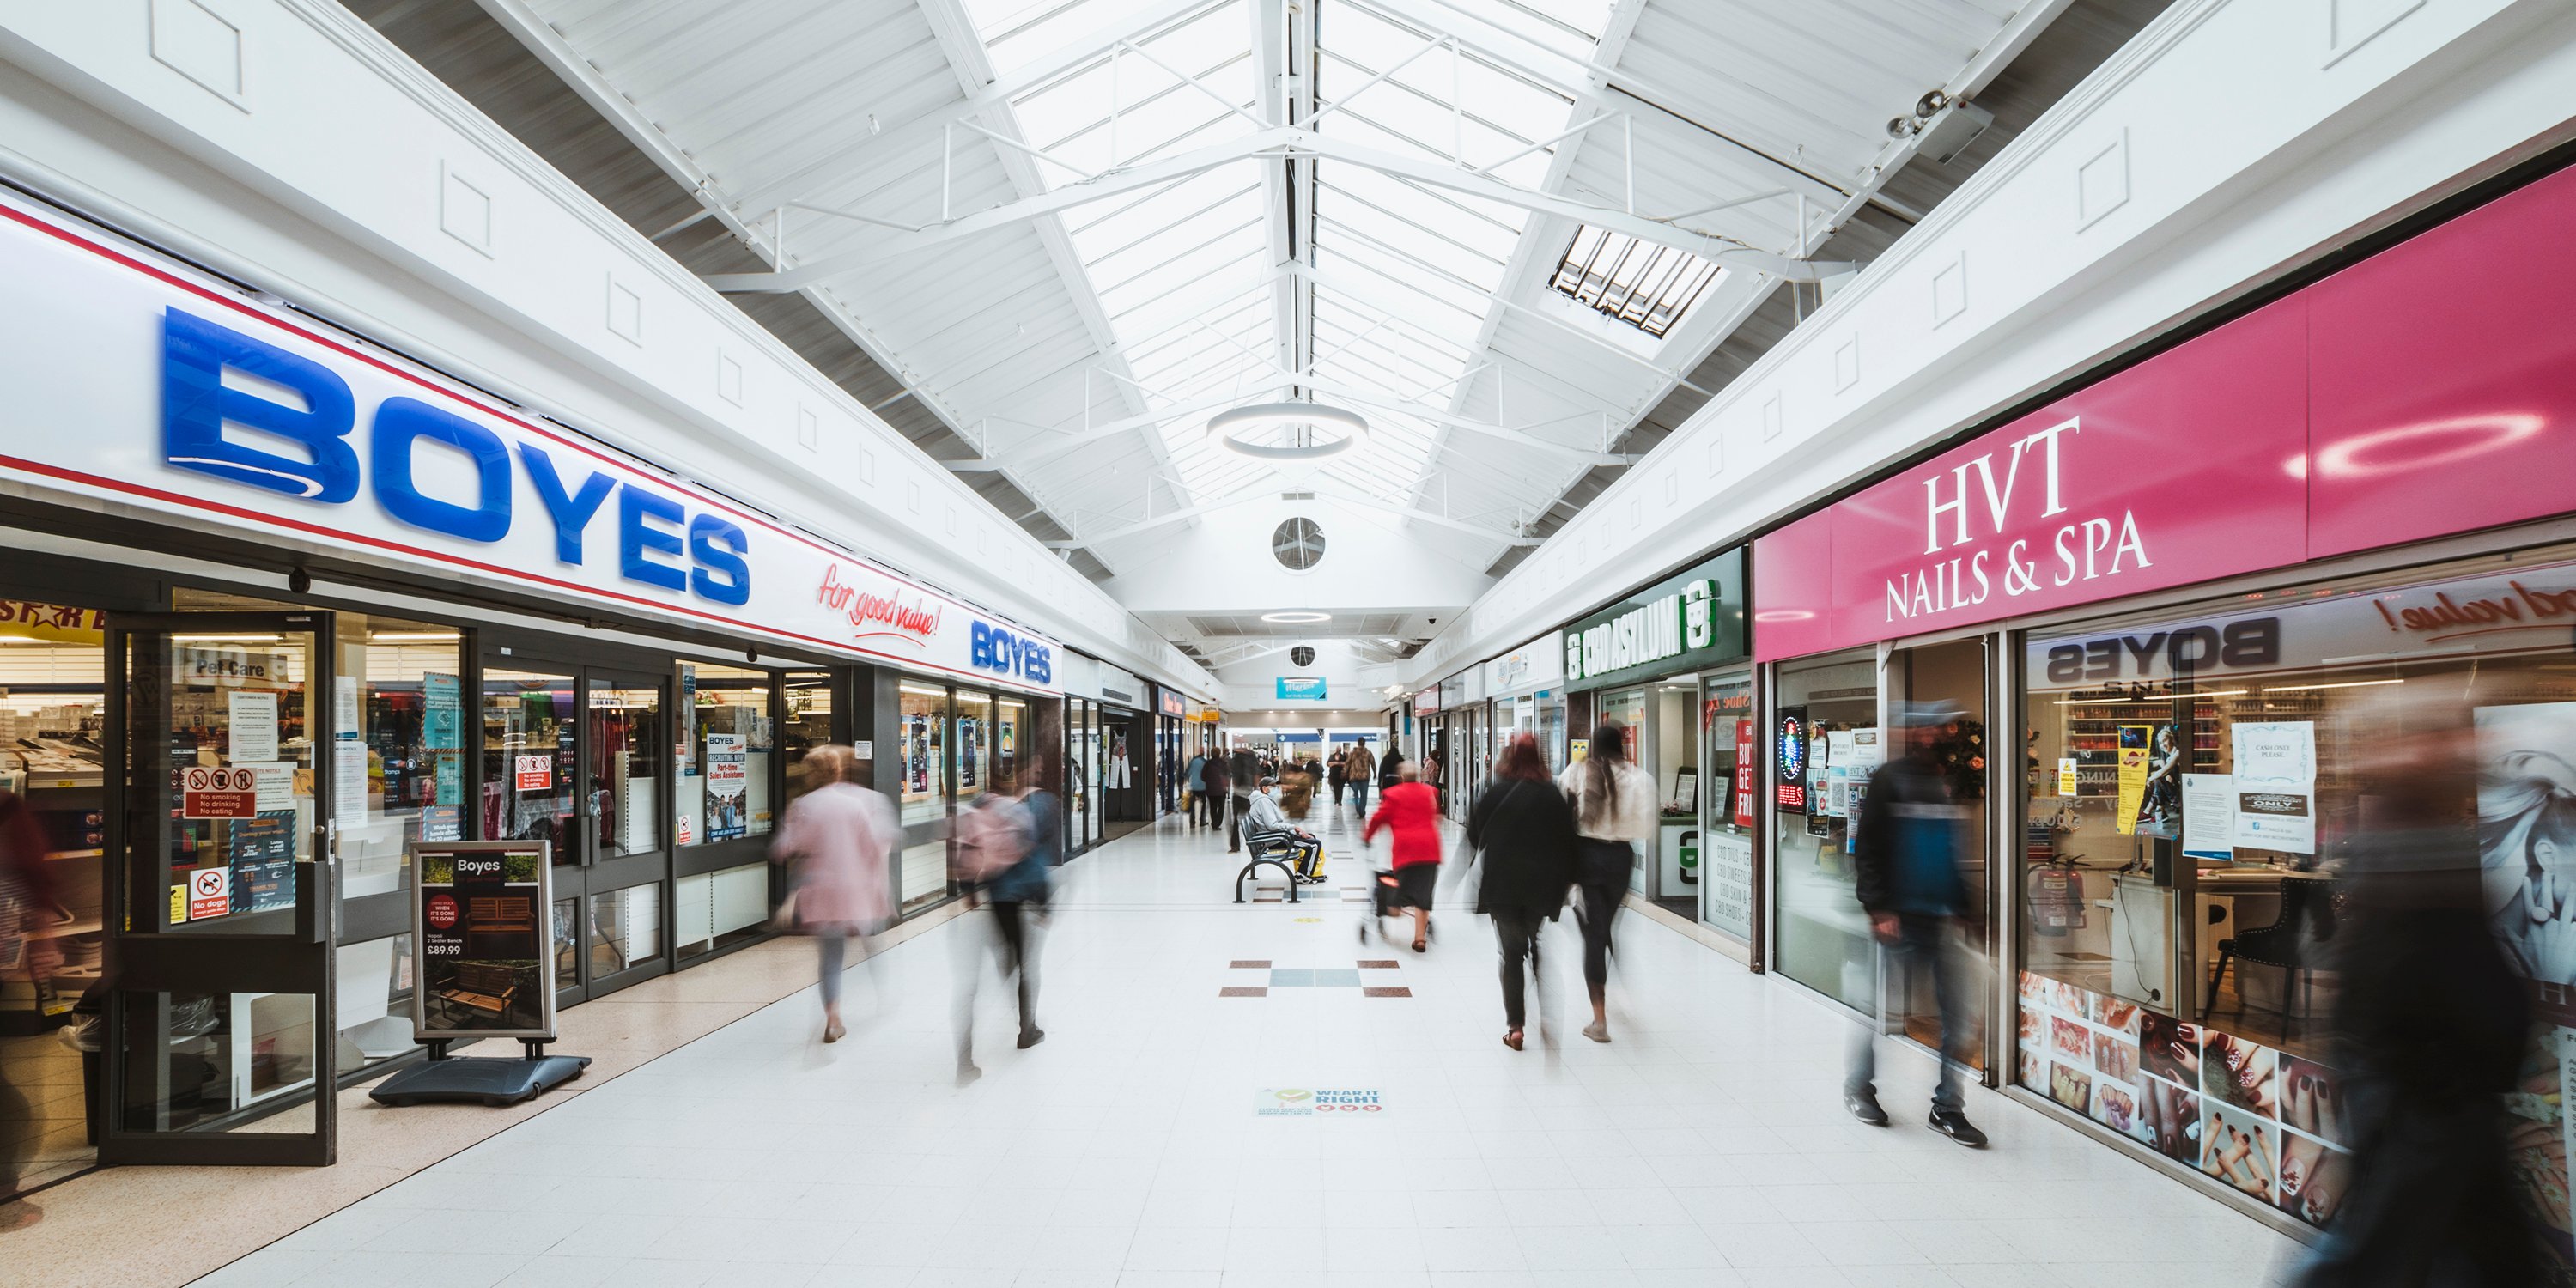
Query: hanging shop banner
x=1301, y=688
x=1678, y=624
x=138, y=384
x=2133, y=775
x=2410, y=396
x=1172, y=702
x=482, y=940
x=1427, y=702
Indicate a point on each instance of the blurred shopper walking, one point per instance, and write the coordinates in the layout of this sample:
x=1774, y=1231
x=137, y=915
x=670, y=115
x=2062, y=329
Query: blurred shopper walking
x=1219, y=778
x=1194, y=784
x=1522, y=830
x=1614, y=813
x=1361, y=769
x=2430, y=1023
x=1007, y=847
x=1412, y=822
x=1337, y=773
x=835, y=842
x=1243, y=773
x=27, y=906
x=1908, y=842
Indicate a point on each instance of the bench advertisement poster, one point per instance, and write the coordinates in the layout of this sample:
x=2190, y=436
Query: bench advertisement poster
x=480, y=933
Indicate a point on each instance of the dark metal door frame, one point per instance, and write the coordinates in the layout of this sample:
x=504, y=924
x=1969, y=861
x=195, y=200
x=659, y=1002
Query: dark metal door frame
x=285, y=951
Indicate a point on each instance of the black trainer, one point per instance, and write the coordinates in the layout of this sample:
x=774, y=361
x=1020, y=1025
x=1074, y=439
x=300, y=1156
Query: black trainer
x=1864, y=1106
x=1955, y=1125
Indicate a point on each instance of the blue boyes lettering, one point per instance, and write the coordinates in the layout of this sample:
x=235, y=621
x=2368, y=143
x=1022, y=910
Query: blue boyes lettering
x=991, y=648
x=290, y=421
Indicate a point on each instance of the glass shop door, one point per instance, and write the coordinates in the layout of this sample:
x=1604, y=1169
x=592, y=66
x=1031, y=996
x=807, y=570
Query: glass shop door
x=229, y=734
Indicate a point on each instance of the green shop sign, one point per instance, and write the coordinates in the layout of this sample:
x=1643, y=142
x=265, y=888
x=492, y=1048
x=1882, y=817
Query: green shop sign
x=1682, y=623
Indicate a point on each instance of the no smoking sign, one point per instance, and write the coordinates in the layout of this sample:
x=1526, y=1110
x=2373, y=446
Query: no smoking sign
x=209, y=792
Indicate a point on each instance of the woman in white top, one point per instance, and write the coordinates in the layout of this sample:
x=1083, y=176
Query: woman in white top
x=1614, y=812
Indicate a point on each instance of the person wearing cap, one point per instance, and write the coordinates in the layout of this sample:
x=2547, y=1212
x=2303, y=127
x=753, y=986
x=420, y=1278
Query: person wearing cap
x=1908, y=840
x=1268, y=823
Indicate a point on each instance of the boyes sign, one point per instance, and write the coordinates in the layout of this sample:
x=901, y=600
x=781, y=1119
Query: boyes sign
x=140, y=384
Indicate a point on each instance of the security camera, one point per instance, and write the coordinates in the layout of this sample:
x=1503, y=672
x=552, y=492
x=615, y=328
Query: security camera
x=1433, y=620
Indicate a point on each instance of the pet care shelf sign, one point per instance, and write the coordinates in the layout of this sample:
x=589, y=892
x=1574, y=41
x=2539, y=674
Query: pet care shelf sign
x=482, y=948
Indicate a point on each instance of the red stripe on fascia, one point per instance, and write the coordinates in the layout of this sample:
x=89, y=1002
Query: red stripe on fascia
x=255, y=516
x=215, y=297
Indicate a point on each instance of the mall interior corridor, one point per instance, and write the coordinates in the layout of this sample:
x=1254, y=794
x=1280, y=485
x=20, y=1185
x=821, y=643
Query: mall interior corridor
x=2040, y=526
x=1705, y=1145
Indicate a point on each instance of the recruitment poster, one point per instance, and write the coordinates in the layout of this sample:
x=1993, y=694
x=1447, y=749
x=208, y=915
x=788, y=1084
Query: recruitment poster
x=2276, y=785
x=481, y=940
x=728, y=778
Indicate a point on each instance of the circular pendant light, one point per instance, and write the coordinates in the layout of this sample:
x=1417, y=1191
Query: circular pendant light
x=1296, y=618
x=1230, y=428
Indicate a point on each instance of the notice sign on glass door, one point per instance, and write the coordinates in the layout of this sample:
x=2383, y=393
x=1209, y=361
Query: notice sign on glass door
x=536, y=773
x=212, y=792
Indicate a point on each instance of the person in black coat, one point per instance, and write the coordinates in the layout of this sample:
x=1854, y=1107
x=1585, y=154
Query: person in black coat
x=2430, y=1024
x=1242, y=775
x=1522, y=829
x=1908, y=841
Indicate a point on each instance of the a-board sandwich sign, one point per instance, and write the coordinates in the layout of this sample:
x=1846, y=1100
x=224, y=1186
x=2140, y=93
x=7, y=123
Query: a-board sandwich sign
x=482, y=940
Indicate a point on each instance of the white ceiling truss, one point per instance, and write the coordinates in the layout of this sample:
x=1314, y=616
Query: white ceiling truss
x=1078, y=228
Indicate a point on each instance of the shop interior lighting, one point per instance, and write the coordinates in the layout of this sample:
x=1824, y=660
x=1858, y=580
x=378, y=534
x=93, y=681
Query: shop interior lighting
x=2347, y=684
x=413, y=637
x=919, y=691
x=1296, y=618
x=2168, y=697
x=226, y=639
x=1229, y=427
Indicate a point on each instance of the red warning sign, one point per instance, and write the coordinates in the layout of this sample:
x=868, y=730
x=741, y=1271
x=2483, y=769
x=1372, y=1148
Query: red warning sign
x=218, y=793
x=210, y=893
x=536, y=773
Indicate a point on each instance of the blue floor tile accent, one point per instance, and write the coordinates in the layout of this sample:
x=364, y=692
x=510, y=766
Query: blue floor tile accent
x=1337, y=979
x=1293, y=978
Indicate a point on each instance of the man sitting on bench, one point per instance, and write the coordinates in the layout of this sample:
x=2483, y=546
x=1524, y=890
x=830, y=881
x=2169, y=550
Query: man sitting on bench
x=1267, y=825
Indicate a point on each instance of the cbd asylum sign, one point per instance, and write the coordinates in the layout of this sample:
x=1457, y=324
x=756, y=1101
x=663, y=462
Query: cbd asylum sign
x=137, y=384
x=1687, y=621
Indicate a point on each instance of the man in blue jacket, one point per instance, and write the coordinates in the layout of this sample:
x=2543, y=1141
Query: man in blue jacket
x=1908, y=841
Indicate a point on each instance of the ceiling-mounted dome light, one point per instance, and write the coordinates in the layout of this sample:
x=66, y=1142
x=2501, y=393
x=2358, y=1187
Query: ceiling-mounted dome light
x=1230, y=427
x=1296, y=618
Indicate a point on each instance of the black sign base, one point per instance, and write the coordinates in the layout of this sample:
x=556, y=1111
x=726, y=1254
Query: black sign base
x=463, y=1080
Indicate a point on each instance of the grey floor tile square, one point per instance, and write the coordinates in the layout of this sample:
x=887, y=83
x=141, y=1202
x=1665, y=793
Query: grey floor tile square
x=1280, y=978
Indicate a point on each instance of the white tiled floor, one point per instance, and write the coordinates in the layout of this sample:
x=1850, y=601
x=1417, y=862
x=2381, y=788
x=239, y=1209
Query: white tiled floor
x=1705, y=1146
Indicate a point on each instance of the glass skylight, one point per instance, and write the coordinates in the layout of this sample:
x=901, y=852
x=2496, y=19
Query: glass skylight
x=1406, y=271
x=1647, y=287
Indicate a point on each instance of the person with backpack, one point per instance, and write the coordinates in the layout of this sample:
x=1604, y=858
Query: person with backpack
x=835, y=840
x=1614, y=813
x=1522, y=830
x=1361, y=769
x=1005, y=856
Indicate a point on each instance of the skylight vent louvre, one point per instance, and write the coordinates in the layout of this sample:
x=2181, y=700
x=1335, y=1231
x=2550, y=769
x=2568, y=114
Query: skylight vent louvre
x=1647, y=287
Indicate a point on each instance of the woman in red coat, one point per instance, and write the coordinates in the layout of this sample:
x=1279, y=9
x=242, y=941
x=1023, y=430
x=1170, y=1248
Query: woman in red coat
x=1410, y=811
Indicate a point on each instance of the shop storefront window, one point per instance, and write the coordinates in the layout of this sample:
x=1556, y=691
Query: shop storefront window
x=2204, y=793
x=1825, y=721
x=923, y=730
x=1667, y=746
x=1731, y=748
x=974, y=737
x=724, y=785
x=529, y=775
x=407, y=676
x=626, y=746
x=809, y=723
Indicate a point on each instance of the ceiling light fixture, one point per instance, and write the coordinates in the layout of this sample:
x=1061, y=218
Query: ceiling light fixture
x=1229, y=428
x=1296, y=618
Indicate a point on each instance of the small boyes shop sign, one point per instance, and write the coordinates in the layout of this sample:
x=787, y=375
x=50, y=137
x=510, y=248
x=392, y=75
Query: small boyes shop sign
x=1682, y=623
